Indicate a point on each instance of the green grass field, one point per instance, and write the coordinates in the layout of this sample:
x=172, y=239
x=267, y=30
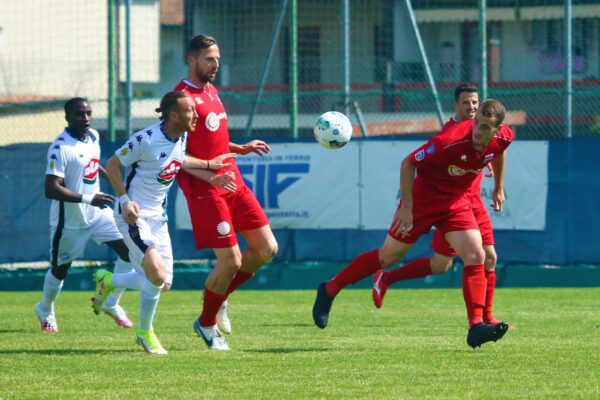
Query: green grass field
x=414, y=347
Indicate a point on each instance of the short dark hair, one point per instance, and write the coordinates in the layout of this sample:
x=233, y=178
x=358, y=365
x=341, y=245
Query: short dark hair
x=464, y=88
x=167, y=102
x=493, y=109
x=200, y=42
x=70, y=104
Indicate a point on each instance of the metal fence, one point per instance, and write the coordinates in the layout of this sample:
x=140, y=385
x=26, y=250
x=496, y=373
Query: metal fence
x=286, y=61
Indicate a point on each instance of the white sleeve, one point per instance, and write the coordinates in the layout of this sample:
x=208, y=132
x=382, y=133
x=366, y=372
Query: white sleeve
x=133, y=150
x=57, y=160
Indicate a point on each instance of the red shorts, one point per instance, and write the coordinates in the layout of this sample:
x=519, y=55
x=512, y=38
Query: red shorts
x=440, y=245
x=215, y=220
x=426, y=214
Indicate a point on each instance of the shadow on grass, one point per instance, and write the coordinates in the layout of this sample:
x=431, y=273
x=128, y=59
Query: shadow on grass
x=62, y=352
x=285, y=350
x=296, y=324
x=14, y=331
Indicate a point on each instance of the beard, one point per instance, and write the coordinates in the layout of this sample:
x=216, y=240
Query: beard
x=204, y=77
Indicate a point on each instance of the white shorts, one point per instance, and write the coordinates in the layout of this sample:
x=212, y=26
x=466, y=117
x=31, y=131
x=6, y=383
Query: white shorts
x=143, y=234
x=66, y=244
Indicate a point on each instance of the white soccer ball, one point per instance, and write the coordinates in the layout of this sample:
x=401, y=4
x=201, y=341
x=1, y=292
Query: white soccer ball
x=333, y=130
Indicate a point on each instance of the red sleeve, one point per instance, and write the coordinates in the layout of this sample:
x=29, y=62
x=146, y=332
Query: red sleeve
x=427, y=153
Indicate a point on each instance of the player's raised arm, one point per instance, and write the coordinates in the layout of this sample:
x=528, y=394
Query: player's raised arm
x=255, y=146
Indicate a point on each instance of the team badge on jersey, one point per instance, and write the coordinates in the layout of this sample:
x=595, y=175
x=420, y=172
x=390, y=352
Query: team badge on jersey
x=166, y=176
x=90, y=172
x=420, y=155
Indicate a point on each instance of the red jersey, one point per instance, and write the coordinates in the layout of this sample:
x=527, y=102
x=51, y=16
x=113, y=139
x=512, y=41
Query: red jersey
x=447, y=165
x=209, y=140
x=475, y=196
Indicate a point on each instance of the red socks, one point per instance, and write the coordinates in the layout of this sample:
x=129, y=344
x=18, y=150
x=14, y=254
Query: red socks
x=212, y=303
x=474, y=287
x=239, y=279
x=362, y=266
x=415, y=269
x=488, y=317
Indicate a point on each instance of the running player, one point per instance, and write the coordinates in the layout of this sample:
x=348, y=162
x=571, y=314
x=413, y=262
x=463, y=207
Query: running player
x=466, y=101
x=439, y=196
x=78, y=211
x=153, y=157
x=220, y=204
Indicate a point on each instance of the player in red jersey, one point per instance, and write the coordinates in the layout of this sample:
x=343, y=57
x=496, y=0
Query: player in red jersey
x=446, y=167
x=220, y=203
x=466, y=101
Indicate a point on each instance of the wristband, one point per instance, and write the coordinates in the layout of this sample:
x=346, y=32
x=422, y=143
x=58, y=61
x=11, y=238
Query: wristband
x=123, y=199
x=87, y=198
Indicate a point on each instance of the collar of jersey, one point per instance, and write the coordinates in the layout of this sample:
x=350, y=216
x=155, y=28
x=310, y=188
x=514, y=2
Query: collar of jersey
x=87, y=137
x=162, y=129
x=195, y=86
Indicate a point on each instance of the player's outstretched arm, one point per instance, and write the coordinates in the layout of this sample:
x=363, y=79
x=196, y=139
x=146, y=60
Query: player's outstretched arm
x=129, y=209
x=54, y=189
x=190, y=162
x=255, y=146
x=225, y=181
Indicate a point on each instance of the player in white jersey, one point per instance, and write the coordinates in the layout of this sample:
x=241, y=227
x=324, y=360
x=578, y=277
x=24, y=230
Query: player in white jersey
x=152, y=156
x=78, y=211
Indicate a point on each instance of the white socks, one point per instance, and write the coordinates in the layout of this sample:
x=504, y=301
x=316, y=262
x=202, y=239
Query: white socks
x=149, y=296
x=121, y=268
x=52, y=287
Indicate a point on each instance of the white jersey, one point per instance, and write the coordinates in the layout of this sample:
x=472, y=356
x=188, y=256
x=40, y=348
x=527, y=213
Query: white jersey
x=152, y=160
x=77, y=162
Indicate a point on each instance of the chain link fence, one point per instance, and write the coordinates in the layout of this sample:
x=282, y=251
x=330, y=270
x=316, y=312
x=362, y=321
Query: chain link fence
x=51, y=50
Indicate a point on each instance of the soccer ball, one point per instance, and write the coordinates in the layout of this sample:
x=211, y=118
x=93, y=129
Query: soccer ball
x=333, y=130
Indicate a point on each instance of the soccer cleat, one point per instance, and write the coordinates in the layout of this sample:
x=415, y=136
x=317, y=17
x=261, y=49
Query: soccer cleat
x=118, y=314
x=47, y=320
x=103, y=280
x=379, y=288
x=322, y=306
x=149, y=341
x=213, y=338
x=223, y=321
x=483, y=333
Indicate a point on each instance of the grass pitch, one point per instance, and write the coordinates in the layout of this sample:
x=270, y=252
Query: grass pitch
x=414, y=347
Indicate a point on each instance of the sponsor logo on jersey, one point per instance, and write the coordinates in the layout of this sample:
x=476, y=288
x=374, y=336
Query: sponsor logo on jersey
x=213, y=121
x=51, y=165
x=453, y=170
x=124, y=151
x=420, y=155
x=90, y=172
x=166, y=176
